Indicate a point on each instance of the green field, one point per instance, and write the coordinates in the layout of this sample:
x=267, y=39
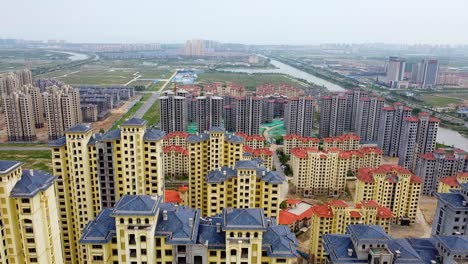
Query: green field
x=153, y=114
x=131, y=111
x=37, y=160
x=250, y=81
x=440, y=100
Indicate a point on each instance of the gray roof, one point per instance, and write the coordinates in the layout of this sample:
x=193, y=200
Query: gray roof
x=455, y=245
x=208, y=234
x=453, y=199
x=100, y=230
x=134, y=122
x=217, y=129
x=368, y=233
x=425, y=247
x=136, y=205
x=58, y=142
x=153, y=134
x=225, y=173
x=79, y=128
x=8, y=165
x=177, y=228
x=111, y=135
x=198, y=138
x=94, y=138
x=244, y=218
x=279, y=242
x=407, y=252
x=31, y=183
x=234, y=138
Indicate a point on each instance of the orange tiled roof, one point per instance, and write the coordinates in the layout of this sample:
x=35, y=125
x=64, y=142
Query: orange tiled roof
x=177, y=149
x=450, y=181
x=172, y=196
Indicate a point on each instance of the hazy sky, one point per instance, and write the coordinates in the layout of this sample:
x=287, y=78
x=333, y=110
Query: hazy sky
x=240, y=21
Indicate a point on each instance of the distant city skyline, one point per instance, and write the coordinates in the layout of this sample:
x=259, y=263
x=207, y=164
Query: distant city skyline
x=250, y=22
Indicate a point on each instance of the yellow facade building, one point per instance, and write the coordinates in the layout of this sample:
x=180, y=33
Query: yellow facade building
x=263, y=154
x=334, y=217
x=141, y=229
x=253, y=141
x=343, y=142
x=245, y=185
x=317, y=172
x=176, y=162
x=291, y=141
x=452, y=183
x=30, y=230
x=392, y=186
x=94, y=171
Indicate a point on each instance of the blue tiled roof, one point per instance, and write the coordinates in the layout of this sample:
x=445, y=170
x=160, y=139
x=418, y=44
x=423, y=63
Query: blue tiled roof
x=208, y=234
x=407, y=253
x=271, y=177
x=225, y=173
x=220, y=175
x=79, y=128
x=134, y=122
x=247, y=164
x=95, y=138
x=244, y=218
x=176, y=228
x=368, y=232
x=58, y=142
x=336, y=246
x=136, y=205
x=111, y=135
x=279, y=242
x=100, y=230
x=153, y=134
x=234, y=138
x=455, y=245
x=454, y=199
x=194, y=138
x=31, y=183
x=425, y=247
x=8, y=165
x=217, y=129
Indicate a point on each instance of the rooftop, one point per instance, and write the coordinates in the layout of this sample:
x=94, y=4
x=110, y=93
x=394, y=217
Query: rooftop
x=136, y=205
x=79, y=128
x=31, y=183
x=134, y=122
x=7, y=166
x=244, y=218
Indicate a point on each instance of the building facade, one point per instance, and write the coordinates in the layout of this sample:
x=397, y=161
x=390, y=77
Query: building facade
x=299, y=116
x=209, y=112
x=291, y=141
x=391, y=186
x=19, y=117
x=173, y=113
x=143, y=229
x=248, y=115
x=367, y=119
x=332, y=115
x=391, y=128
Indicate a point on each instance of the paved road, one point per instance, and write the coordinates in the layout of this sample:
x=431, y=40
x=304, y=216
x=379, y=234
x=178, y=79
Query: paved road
x=134, y=79
x=24, y=148
x=150, y=101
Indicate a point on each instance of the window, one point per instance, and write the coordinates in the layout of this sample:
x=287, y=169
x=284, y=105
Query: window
x=143, y=238
x=168, y=252
x=212, y=253
x=233, y=252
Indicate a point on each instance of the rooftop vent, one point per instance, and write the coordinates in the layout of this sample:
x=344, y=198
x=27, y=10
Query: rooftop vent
x=218, y=227
x=397, y=253
x=464, y=203
x=190, y=222
x=165, y=215
x=350, y=252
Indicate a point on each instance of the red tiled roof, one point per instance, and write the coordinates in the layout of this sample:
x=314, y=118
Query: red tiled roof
x=297, y=137
x=427, y=156
x=286, y=218
x=434, y=119
x=462, y=175
x=369, y=203
x=177, y=134
x=182, y=188
x=177, y=149
x=292, y=201
x=384, y=212
x=322, y=211
x=250, y=138
x=338, y=203
x=411, y=119
x=416, y=179
x=172, y=196
x=367, y=150
x=354, y=214
x=262, y=151
x=302, y=153
x=450, y=181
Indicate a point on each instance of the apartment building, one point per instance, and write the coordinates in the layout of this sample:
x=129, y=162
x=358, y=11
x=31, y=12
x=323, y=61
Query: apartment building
x=299, y=116
x=391, y=128
x=291, y=141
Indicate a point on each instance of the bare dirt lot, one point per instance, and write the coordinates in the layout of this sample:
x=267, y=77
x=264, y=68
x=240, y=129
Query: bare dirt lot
x=115, y=115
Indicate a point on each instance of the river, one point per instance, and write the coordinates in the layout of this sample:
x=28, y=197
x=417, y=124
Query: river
x=74, y=56
x=444, y=135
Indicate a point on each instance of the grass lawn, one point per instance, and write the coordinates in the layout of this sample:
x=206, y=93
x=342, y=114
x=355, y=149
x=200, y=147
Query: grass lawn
x=131, y=111
x=156, y=86
x=439, y=100
x=37, y=160
x=250, y=81
x=152, y=115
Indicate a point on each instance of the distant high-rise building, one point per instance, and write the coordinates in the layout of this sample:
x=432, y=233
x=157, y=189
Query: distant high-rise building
x=195, y=48
x=432, y=167
x=248, y=115
x=173, y=113
x=37, y=103
x=62, y=108
x=428, y=71
x=229, y=112
x=367, y=118
x=418, y=136
x=299, y=116
x=268, y=110
x=209, y=112
x=352, y=101
x=390, y=128
x=332, y=115
x=19, y=117
x=395, y=70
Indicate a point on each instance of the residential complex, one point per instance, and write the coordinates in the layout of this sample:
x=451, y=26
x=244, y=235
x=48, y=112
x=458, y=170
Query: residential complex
x=370, y=244
x=391, y=186
x=248, y=115
x=367, y=118
x=418, y=136
x=97, y=170
x=343, y=142
x=62, y=109
x=209, y=112
x=317, y=172
x=432, y=167
x=291, y=141
x=391, y=128
x=30, y=230
x=450, y=217
x=299, y=116
x=19, y=117
x=143, y=229
x=337, y=215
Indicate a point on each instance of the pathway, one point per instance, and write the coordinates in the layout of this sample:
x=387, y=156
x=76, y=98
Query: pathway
x=9, y=148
